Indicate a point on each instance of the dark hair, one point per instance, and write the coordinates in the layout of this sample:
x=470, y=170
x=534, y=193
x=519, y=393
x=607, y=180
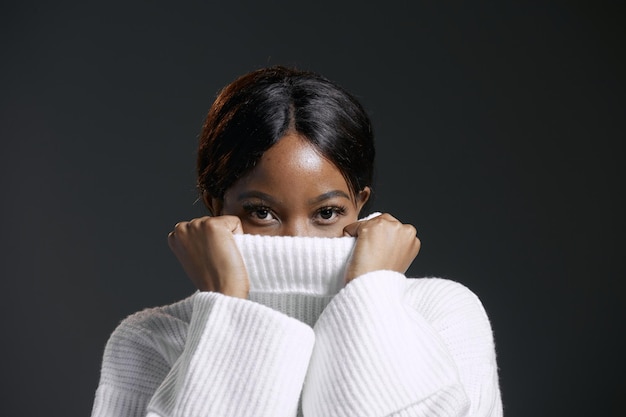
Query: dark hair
x=257, y=109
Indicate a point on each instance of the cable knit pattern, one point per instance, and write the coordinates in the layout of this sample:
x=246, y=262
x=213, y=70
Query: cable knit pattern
x=381, y=346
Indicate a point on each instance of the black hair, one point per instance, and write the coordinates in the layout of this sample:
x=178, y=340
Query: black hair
x=256, y=110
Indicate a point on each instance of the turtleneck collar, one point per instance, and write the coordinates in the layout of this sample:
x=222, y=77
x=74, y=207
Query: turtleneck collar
x=295, y=265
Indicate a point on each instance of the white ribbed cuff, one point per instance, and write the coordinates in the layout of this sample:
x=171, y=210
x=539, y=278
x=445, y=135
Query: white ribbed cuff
x=240, y=358
x=374, y=354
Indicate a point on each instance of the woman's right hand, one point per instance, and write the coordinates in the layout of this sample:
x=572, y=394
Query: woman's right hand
x=207, y=251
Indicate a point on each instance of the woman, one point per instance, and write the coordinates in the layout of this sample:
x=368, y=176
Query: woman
x=301, y=308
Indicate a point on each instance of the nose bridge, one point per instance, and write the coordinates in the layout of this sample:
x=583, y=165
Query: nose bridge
x=296, y=226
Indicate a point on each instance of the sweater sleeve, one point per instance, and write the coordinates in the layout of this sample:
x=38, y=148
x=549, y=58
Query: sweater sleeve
x=237, y=358
x=378, y=354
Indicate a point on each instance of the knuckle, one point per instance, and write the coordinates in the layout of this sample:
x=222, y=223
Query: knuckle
x=388, y=217
x=410, y=229
x=209, y=223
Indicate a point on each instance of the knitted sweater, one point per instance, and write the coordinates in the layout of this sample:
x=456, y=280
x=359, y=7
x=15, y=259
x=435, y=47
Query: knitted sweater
x=305, y=344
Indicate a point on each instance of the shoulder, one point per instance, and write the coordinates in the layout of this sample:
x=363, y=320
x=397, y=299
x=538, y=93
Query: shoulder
x=156, y=320
x=144, y=346
x=153, y=334
x=451, y=308
x=432, y=295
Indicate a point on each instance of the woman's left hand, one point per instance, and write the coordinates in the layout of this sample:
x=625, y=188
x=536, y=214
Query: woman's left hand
x=382, y=242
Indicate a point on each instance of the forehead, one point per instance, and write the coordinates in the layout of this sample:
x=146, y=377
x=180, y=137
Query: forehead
x=293, y=166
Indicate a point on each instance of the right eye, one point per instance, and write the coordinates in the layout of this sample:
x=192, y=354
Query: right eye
x=259, y=213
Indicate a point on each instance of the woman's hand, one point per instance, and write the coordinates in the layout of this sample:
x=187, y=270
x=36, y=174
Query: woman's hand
x=206, y=249
x=382, y=243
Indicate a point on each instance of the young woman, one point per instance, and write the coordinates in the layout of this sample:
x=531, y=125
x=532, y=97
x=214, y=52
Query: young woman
x=302, y=305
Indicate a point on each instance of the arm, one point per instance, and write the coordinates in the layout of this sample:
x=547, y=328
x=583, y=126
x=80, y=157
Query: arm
x=388, y=346
x=459, y=318
x=241, y=358
x=238, y=358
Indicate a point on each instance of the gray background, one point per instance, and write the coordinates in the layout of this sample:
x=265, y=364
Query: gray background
x=499, y=131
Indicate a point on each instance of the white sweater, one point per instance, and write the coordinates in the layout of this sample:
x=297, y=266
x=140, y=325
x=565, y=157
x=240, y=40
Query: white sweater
x=303, y=344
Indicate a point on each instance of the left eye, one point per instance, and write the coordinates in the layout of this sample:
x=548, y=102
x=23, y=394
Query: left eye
x=327, y=213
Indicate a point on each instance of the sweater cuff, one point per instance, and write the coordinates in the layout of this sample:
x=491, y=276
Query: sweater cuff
x=375, y=354
x=240, y=358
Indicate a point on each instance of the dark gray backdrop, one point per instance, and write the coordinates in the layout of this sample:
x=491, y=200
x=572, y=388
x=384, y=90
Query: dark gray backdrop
x=499, y=130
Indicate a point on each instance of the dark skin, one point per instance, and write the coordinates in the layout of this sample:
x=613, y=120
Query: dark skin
x=293, y=191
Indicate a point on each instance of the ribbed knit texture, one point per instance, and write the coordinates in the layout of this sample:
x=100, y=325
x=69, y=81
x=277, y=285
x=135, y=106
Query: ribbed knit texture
x=290, y=277
x=293, y=265
x=382, y=346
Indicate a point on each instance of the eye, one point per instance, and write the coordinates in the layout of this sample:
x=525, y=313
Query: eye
x=259, y=213
x=328, y=215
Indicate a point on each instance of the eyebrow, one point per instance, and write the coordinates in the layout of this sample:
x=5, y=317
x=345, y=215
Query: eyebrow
x=328, y=195
x=256, y=194
x=266, y=197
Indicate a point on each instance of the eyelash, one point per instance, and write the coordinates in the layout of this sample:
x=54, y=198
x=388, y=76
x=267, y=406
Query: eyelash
x=252, y=210
x=336, y=210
